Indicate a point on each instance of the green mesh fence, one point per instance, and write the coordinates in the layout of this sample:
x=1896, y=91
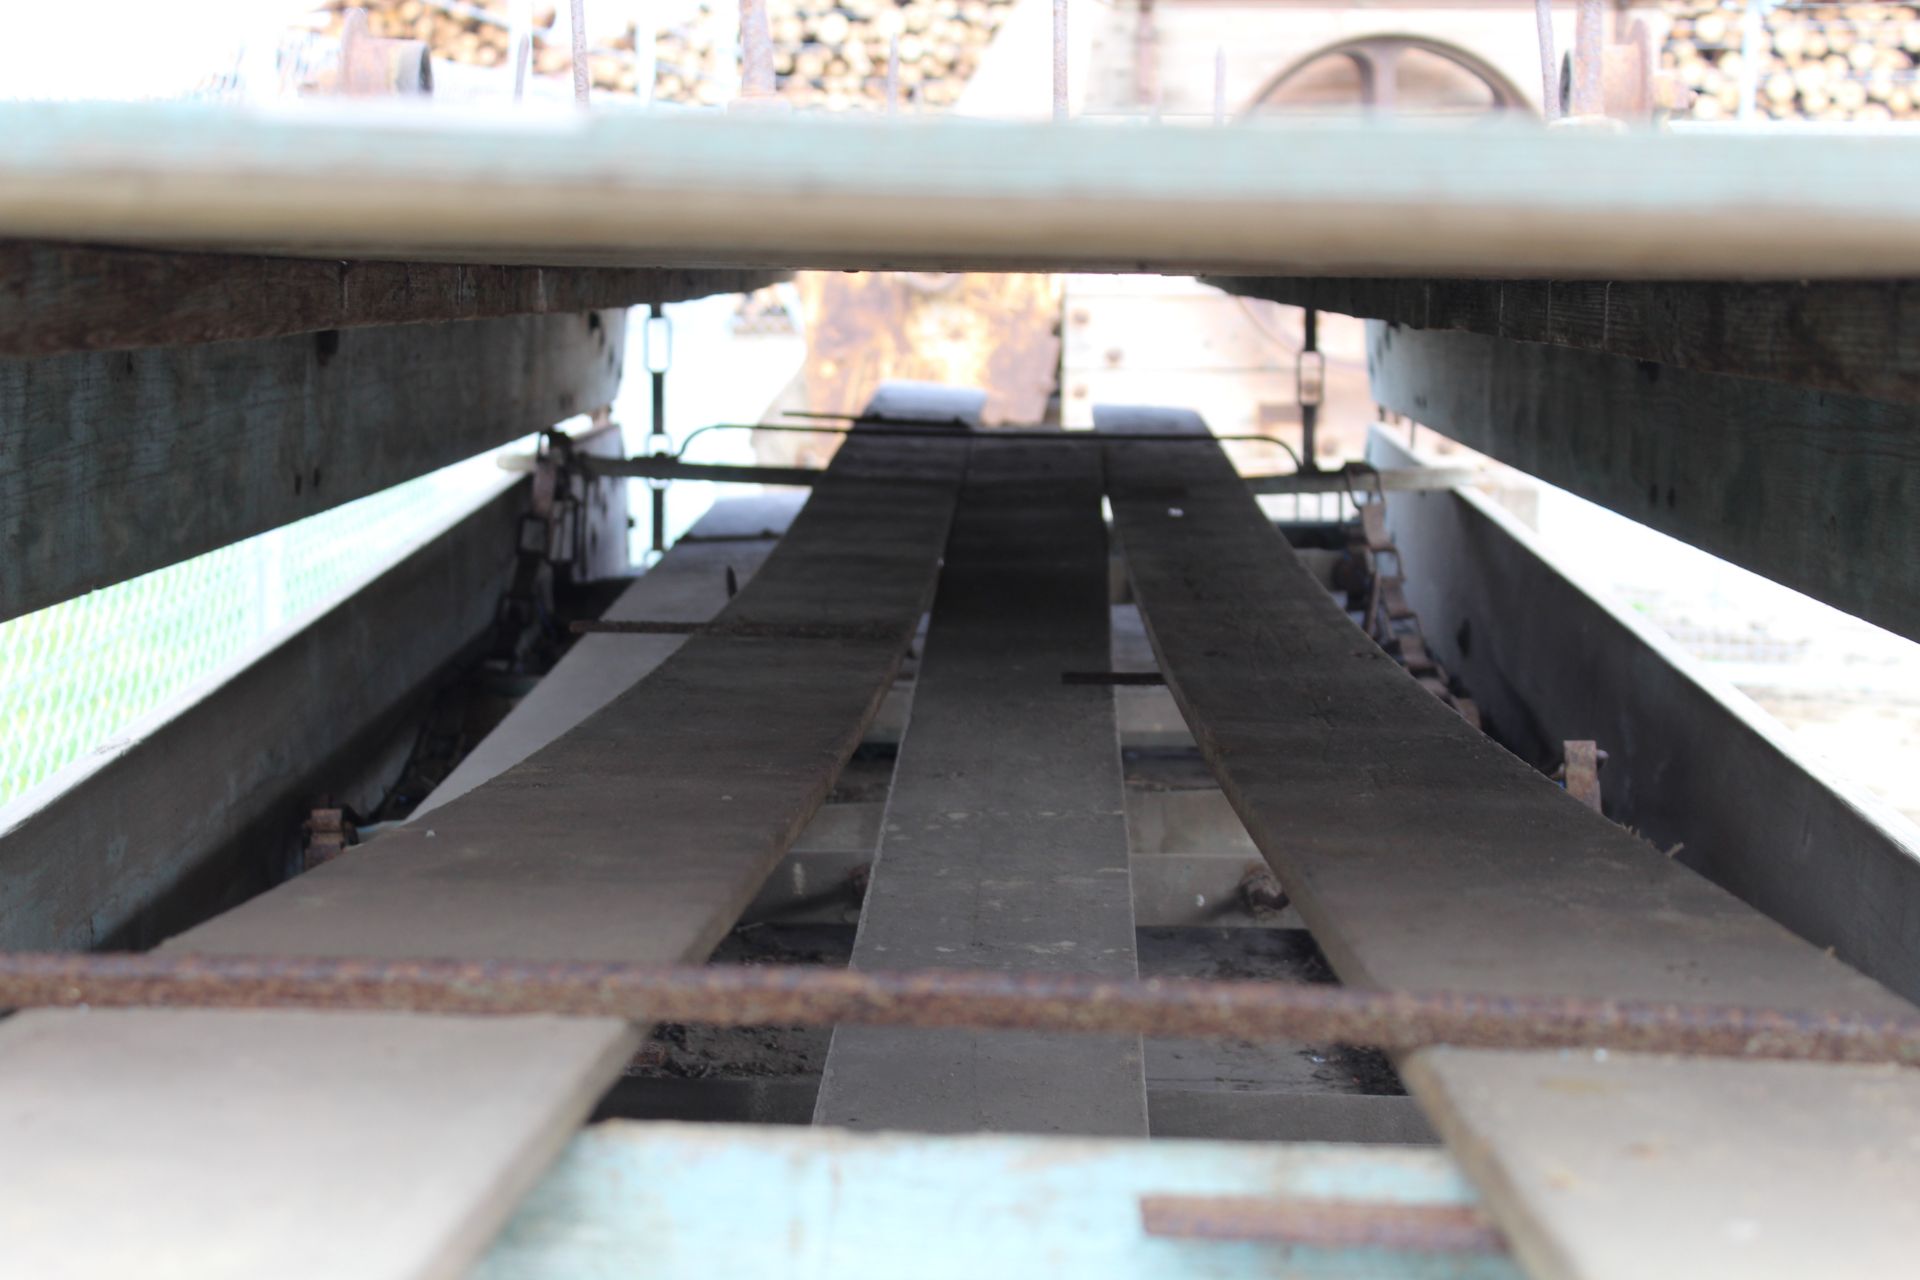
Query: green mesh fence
x=78, y=674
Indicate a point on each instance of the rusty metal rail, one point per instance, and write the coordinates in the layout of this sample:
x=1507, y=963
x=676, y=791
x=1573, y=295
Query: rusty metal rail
x=762, y=996
x=1322, y=1224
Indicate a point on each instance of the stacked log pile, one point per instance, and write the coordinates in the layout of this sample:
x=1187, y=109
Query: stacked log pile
x=829, y=54
x=1826, y=62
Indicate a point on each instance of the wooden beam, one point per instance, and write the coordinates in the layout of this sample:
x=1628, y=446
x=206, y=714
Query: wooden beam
x=723, y=1200
x=114, y=464
x=192, y=815
x=1005, y=843
x=637, y=836
x=1425, y=858
x=688, y=585
x=355, y=181
x=1815, y=490
x=1548, y=660
x=58, y=298
x=1853, y=336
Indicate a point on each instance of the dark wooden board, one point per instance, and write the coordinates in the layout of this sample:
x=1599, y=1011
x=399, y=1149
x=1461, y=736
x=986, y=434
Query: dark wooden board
x=1004, y=844
x=1816, y=490
x=1422, y=854
x=60, y=298
x=115, y=464
x=1855, y=336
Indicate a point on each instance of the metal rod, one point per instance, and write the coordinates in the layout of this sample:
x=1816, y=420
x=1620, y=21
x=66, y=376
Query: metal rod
x=578, y=17
x=893, y=75
x=745, y=629
x=1323, y=1224
x=1393, y=479
x=773, y=995
x=1060, y=61
x=756, y=51
x=1112, y=677
x=1310, y=409
x=1588, y=35
x=659, y=492
x=1549, y=68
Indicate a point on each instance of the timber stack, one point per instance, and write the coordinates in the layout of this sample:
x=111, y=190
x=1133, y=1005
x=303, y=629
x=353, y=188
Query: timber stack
x=1828, y=63
x=828, y=54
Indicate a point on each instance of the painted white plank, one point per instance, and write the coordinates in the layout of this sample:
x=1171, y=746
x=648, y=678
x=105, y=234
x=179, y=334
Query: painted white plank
x=377, y=180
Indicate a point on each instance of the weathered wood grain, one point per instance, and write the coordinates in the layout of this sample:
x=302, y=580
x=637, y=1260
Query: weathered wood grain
x=57, y=298
x=1005, y=839
x=114, y=464
x=1853, y=336
x=1813, y=489
x=1426, y=858
x=688, y=585
x=637, y=836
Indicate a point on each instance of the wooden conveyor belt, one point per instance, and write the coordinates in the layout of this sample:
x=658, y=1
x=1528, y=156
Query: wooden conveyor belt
x=1424, y=857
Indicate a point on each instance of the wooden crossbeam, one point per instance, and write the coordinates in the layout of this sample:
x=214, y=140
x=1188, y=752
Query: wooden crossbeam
x=116, y=463
x=1814, y=489
x=59, y=298
x=382, y=1146
x=1005, y=839
x=636, y=189
x=1851, y=336
x=1425, y=858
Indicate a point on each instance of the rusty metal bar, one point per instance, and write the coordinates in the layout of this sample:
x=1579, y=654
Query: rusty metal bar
x=788, y=996
x=1549, y=66
x=1323, y=1224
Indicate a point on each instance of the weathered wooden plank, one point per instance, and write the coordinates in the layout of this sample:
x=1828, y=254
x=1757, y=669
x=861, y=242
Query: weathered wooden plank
x=1813, y=489
x=1669, y=1169
x=1426, y=858
x=1423, y=855
x=57, y=298
x=1548, y=660
x=1857, y=337
x=1005, y=841
x=688, y=585
x=113, y=464
x=189, y=815
x=629, y=188
x=637, y=836
x=733, y=1201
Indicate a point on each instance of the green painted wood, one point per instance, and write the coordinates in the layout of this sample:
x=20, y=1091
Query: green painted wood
x=190, y=815
x=690, y=1202
x=1813, y=489
x=114, y=464
x=639, y=189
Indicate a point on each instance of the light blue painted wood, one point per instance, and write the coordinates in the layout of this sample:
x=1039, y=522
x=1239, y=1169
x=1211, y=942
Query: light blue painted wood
x=714, y=1202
